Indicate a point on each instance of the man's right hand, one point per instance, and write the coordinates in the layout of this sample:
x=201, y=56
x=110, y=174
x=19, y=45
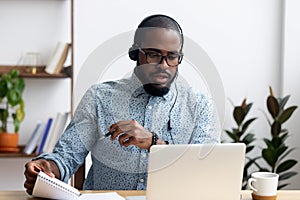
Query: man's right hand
x=32, y=169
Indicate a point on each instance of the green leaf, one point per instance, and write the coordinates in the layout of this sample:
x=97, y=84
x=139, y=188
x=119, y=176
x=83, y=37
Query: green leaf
x=16, y=124
x=22, y=105
x=286, y=114
x=287, y=175
x=280, y=186
x=273, y=106
x=286, y=165
x=269, y=157
x=247, y=109
x=277, y=142
x=3, y=114
x=232, y=136
x=14, y=73
x=20, y=84
x=14, y=97
x=262, y=169
x=251, y=161
x=9, y=85
x=19, y=114
x=286, y=153
x=285, y=135
x=248, y=138
x=249, y=148
x=239, y=134
x=235, y=131
x=268, y=143
x=275, y=128
x=248, y=164
x=247, y=123
x=283, y=101
x=5, y=77
x=280, y=150
x=3, y=88
x=238, y=114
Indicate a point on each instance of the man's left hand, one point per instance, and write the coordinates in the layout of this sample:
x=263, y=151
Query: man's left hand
x=130, y=132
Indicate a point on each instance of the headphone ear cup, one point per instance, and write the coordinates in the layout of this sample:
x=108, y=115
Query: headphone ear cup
x=133, y=53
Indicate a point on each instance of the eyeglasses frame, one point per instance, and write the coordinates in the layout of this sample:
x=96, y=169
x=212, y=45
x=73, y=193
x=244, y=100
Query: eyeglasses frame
x=180, y=56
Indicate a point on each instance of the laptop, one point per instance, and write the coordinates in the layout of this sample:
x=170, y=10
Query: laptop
x=195, y=171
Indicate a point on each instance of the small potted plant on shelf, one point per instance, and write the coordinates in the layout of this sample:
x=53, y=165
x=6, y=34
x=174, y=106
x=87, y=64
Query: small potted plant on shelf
x=11, y=110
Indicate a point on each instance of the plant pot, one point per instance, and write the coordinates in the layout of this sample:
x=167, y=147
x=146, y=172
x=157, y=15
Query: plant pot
x=9, y=142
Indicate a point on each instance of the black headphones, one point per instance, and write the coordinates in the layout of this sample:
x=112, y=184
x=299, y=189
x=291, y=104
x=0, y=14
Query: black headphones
x=133, y=51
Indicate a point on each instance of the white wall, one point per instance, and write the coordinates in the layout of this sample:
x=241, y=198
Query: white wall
x=291, y=74
x=33, y=26
x=36, y=26
x=243, y=38
x=12, y=173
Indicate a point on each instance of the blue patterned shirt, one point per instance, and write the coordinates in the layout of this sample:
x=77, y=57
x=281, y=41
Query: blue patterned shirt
x=181, y=116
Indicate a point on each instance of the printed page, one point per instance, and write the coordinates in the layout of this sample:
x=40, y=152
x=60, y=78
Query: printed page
x=101, y=196
x=136, y=198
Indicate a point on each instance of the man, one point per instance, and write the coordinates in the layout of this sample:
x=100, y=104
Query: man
x=119, y=121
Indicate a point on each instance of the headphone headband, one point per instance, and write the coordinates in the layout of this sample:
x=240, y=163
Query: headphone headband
x=133, y=52
x=145, y=20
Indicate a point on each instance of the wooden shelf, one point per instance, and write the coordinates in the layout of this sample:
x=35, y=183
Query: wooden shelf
x=19, y=154
x=36, y=72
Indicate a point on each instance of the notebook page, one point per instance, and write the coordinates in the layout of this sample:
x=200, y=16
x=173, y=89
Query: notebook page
x=52, y=188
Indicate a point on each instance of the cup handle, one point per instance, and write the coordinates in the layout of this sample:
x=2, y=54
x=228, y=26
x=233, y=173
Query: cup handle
x=250, y=180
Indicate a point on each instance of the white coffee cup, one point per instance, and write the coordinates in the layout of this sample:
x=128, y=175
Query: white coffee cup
x=263, y=183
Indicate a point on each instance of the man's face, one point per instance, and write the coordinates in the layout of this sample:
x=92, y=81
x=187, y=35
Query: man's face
x=158, y=41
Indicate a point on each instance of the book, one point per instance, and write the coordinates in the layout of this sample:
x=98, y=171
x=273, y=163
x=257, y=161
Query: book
x=58, y=58
x=51, y=136
x=34, y=138
x=56, y=131
x=44, y=136
x=52, y=188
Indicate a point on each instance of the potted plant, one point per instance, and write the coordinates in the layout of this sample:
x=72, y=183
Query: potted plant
x=240, y=134
x=11, y=109
x=276, y=151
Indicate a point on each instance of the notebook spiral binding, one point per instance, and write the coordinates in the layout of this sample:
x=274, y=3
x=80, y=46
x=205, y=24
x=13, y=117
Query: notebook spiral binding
x=74, y=193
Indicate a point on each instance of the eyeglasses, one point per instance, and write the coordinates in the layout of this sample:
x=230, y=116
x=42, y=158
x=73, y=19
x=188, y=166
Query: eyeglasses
x=172, y=59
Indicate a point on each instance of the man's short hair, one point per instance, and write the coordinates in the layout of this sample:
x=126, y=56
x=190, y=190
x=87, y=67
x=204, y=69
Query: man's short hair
x=157, y=21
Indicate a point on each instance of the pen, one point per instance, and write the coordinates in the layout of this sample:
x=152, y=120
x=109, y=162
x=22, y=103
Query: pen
x=108, y=133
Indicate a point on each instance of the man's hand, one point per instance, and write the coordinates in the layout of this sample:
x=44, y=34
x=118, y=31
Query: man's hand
x=130, y=132
x=32, y=169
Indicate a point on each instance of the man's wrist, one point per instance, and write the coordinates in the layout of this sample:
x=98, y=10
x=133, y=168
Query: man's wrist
x=55, y=169
x=156, y=140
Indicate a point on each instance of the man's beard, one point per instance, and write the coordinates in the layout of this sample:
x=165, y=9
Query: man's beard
x=152, y=88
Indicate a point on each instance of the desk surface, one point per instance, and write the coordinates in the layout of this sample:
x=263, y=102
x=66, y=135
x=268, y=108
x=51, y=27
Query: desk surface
x=21, y=195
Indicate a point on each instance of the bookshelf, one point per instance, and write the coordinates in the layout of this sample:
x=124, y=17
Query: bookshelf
x=36, y=72
x=19, y=154
x=47, y=23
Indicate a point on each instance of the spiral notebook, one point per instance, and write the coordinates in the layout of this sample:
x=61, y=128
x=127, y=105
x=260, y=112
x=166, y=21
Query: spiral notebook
x=52, y=188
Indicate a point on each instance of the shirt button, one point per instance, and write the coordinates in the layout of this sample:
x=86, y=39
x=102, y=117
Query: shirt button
x=142, y=180
x=149, y=107
x=144, y=155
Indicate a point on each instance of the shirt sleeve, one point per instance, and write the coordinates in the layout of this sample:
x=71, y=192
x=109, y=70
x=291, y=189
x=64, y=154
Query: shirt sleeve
x=78, y=139
x=207, y=124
